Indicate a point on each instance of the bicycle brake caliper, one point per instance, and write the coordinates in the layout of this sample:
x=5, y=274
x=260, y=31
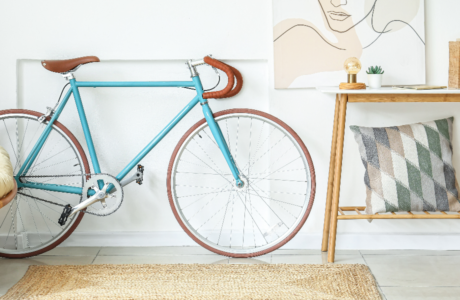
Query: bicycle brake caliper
x=140, y=174
x=49, y=113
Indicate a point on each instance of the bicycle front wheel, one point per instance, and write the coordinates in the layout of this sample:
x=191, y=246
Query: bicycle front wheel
x=273, y=204
x=28, y=225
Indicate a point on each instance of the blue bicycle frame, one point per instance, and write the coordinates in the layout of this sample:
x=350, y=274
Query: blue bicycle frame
x=74, y=85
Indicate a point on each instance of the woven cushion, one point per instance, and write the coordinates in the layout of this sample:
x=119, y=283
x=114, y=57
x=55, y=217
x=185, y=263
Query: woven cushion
x=6, y=173
x=409, y=168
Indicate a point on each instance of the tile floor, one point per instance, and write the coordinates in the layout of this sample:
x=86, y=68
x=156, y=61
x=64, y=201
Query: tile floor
x=401, y=274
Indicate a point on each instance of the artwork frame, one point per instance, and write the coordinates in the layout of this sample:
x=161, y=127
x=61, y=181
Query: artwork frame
x=312, y=39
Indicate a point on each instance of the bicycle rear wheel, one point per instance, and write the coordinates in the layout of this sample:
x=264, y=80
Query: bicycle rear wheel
x=279, y=184
x=28, y=226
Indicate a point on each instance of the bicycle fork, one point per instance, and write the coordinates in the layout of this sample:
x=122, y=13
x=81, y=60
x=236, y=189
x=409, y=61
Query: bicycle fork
x=217, y=134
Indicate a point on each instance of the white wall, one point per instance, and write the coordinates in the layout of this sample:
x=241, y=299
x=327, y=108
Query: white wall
x=150, y=40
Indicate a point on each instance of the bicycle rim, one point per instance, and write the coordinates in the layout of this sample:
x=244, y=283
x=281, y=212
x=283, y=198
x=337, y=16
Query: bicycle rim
x=279, y=184
x=29, y=226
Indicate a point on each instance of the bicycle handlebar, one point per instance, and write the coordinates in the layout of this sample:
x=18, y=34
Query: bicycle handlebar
x=232, y=74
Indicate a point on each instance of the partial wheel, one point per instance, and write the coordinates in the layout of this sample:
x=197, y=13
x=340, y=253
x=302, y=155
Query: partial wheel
x=278, y=191
x=29, y=226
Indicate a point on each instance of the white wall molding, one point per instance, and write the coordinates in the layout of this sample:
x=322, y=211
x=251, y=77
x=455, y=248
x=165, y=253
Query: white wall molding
x=378, y=241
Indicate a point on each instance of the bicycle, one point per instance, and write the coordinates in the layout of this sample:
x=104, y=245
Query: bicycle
x=240, y=182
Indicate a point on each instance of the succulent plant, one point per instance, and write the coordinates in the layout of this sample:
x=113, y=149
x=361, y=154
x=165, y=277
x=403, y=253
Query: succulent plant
x=375, y=70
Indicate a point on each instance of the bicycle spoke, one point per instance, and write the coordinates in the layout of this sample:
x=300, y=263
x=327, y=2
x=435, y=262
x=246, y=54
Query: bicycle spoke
x=43, y=217
x=183, y=208
x=33, y=218
x=205, y=204
x=31, y=140
x=225, y=215
x=6, y=215
x=202, y=194
x=195, y=173
x=271, y=199
x=207, y=155
x=278, y=202
x=228, y=137
x=258, y=228
x=208, y=166
x=249, y=175
x=31, y=169
x=12, y=147
x=281, y=167
x=53, y=156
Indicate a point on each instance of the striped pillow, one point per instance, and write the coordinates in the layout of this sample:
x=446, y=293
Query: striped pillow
x=409, y=168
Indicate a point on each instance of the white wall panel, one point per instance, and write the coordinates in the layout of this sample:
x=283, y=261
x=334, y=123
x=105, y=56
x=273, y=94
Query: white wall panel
x=149, y=40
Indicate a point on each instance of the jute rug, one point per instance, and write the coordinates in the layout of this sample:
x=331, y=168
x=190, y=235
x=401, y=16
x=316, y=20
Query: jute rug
x=196, y=282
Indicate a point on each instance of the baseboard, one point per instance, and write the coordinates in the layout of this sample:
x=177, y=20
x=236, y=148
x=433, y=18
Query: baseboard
x=378, y=241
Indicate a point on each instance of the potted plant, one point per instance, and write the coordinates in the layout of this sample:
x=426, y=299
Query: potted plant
x=374, y=77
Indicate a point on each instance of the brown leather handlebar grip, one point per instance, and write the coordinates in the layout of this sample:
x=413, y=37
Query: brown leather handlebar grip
x=232, y=73
x=239, y=83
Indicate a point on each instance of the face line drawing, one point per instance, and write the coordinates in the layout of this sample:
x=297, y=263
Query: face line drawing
x=304, y=25
x=340, y=15
x=325, y=16
x=390, y=30
x=372, y=22
x=346, y=2
x=383, y=31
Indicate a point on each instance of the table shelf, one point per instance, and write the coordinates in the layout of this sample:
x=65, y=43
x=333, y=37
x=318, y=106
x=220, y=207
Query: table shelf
x=357, y=215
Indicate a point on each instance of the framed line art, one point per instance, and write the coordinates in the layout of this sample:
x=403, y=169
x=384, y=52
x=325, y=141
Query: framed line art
x=313, y=38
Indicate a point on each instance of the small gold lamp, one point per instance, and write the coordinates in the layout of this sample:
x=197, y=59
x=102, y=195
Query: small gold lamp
x=352, y=67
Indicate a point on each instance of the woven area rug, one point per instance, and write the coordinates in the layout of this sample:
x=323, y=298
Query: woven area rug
x=196, y=282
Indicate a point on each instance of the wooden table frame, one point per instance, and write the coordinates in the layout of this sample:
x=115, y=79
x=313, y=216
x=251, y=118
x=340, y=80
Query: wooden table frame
x=333, y=212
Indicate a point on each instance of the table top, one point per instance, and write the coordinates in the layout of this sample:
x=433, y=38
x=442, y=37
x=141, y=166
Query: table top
x=384, y=90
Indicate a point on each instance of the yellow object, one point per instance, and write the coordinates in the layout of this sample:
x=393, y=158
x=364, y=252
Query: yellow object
x=352, y=66
x=6, y=173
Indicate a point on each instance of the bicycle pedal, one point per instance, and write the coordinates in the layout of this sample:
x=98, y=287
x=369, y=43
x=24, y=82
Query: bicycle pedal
x=65, y=214
x=140, y=172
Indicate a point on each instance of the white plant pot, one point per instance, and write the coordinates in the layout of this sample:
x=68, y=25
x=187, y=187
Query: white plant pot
x=374, y=81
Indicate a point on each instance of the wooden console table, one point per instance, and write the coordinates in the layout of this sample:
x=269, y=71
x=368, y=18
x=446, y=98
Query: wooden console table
x=333, y=212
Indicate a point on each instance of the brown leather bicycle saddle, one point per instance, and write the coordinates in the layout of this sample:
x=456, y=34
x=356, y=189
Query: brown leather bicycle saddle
x=63, y=66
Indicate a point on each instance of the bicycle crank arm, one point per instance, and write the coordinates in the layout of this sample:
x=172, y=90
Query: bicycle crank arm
x=85, y=204
x=98, y=196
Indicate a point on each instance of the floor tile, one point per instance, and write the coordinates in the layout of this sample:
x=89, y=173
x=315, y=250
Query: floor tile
x=145, y=251
x=415, y=271
x=311, y=251
x=411, y=252
x=12, y=270
x=73, y=251
x=265, y=259
x=162, y=259
x=422, y=293
x=316, y=259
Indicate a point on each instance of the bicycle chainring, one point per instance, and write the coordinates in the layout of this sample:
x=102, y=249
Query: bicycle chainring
x=111, y=201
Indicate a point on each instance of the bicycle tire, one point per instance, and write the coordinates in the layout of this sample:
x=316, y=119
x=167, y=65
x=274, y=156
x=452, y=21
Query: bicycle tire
x=178, y=215
x=84, y=160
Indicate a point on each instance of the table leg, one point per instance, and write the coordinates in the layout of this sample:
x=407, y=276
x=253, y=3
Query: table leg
x=327, y=213
x=337, y=176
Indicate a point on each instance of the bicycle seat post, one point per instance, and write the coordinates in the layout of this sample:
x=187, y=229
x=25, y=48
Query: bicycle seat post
x=68, y=76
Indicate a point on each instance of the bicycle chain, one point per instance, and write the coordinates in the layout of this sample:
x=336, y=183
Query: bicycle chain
x=47, y=176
